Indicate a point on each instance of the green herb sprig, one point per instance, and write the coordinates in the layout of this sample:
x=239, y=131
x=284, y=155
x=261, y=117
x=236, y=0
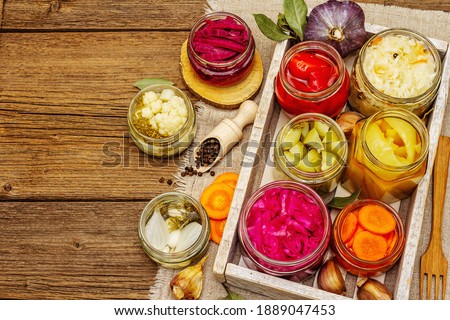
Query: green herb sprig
x=289, y=25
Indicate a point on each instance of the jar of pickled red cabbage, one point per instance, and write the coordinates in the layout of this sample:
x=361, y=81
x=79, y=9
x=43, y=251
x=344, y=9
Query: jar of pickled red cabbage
x=284, y=230
x=388, y=155
x=368, y=237
x=312, y=78
x=396, y=68
x=221, y=48
x=312, y=149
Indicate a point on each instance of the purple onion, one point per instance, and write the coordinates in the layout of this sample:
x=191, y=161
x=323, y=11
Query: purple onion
x=338, y=23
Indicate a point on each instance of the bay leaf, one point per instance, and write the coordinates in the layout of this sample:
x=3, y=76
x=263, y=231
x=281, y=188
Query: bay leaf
x=143, y=83
x=232, y=295
x=282, y=23
x=341, y=202
x=295, y=12
x=269, y=28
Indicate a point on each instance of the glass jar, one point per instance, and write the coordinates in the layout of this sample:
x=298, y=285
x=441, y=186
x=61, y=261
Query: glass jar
x=296, y=269
x=326, y=93
x=387, y=158
x=344, y=252
x=383, y=75
x=162, y=146
x=326, y=180
x=220, y=69
x=184, y=257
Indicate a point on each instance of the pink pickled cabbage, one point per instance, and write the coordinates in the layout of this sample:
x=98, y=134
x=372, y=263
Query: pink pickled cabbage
x=220, y=40
x=285, y=224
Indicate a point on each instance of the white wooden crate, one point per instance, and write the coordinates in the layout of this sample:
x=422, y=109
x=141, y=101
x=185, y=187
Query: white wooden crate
x=227, y=267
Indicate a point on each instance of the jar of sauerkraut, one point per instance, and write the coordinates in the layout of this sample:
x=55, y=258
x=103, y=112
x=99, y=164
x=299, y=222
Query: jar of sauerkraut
x=395, y=68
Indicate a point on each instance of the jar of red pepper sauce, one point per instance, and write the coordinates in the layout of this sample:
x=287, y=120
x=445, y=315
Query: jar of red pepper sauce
x=312, y=78
x=221, y=48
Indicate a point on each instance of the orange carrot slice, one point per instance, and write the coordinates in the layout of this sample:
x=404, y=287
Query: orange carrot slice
x=217, y=227
x=349, y=243
x=368, y=246
x=391, y=239
x=349, y=226
x=230, y=178
x=376, y=219
x=216, y=199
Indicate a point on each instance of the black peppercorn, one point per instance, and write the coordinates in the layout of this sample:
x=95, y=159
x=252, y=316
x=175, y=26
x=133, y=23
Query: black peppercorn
x=169, y=182
x=212, y=173
x=161, y=180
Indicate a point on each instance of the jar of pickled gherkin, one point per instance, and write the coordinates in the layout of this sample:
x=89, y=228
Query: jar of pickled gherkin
x=387, y=155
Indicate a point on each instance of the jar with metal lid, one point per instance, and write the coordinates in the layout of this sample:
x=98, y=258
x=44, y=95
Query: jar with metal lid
x=284, y=230
x=388, y=155
x=312, y=149
x=162, y=120
x=352, y=233
x=312, y=78
x=396, y=68
x=174, y=230
x=221, y=48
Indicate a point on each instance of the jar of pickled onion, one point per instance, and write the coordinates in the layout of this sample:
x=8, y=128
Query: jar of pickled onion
x=221, y=48
x=396, y=68
x=368, y=237
x=284, y=230
x=312, y=78
x=388, y=155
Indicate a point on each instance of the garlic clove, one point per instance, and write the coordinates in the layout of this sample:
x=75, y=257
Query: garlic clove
x=188, y=283
x=347, y=120
x=173, y=238
x=330, y=278
x=188, y=235
x=371, y=289
x=156, y=231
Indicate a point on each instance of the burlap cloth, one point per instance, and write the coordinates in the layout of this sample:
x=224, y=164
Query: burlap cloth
x=431, y=23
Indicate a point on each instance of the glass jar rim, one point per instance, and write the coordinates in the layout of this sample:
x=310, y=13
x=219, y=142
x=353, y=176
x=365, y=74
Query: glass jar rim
x=333, y=171
x=218, y=14
x=190, y=121
x=323, y=48
x=353, y=258
x=418, y=36
x=404, y=115
x=188, y=253
x=293, y=185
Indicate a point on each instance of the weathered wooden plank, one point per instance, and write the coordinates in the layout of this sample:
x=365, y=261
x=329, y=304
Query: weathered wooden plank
x=63, y=105
x=78, y=250
x=423, y=4
x=101, y=14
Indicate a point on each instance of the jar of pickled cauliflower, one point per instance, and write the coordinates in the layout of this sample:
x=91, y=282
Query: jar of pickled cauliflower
x=221, y=48
x=396, y=68
x=368, y=237
x=162, y=120
x=284, y=230
x=312, y=149
x=387, y=155
x=312, y=78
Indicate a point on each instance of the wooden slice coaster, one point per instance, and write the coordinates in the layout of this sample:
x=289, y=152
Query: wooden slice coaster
x=229, y=97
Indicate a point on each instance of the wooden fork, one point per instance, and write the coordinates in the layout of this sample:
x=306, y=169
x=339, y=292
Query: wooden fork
x=433, y=262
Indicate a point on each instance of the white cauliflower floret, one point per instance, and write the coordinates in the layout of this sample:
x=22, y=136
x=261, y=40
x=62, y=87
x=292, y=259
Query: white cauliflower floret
x=147, y=113
x=167, y=112
x=156, y=106
x=149, y=97
x=167, y=94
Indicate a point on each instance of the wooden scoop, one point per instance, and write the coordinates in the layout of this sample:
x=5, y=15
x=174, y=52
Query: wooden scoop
x=228, y=132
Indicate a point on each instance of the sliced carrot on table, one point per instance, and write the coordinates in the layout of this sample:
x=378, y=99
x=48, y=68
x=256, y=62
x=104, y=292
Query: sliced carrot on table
x=230, y=178
x=217, y=227
x=376, y=219
x=369, y=246
x=216, y=199
x=349, y=226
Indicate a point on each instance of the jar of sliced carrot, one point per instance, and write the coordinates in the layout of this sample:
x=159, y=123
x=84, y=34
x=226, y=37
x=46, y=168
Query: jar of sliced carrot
x=368, y=237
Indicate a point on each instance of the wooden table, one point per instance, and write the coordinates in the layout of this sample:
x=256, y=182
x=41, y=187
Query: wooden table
x=72, y=184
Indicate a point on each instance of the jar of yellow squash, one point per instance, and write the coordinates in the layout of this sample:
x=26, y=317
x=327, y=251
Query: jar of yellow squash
x=387, y=155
